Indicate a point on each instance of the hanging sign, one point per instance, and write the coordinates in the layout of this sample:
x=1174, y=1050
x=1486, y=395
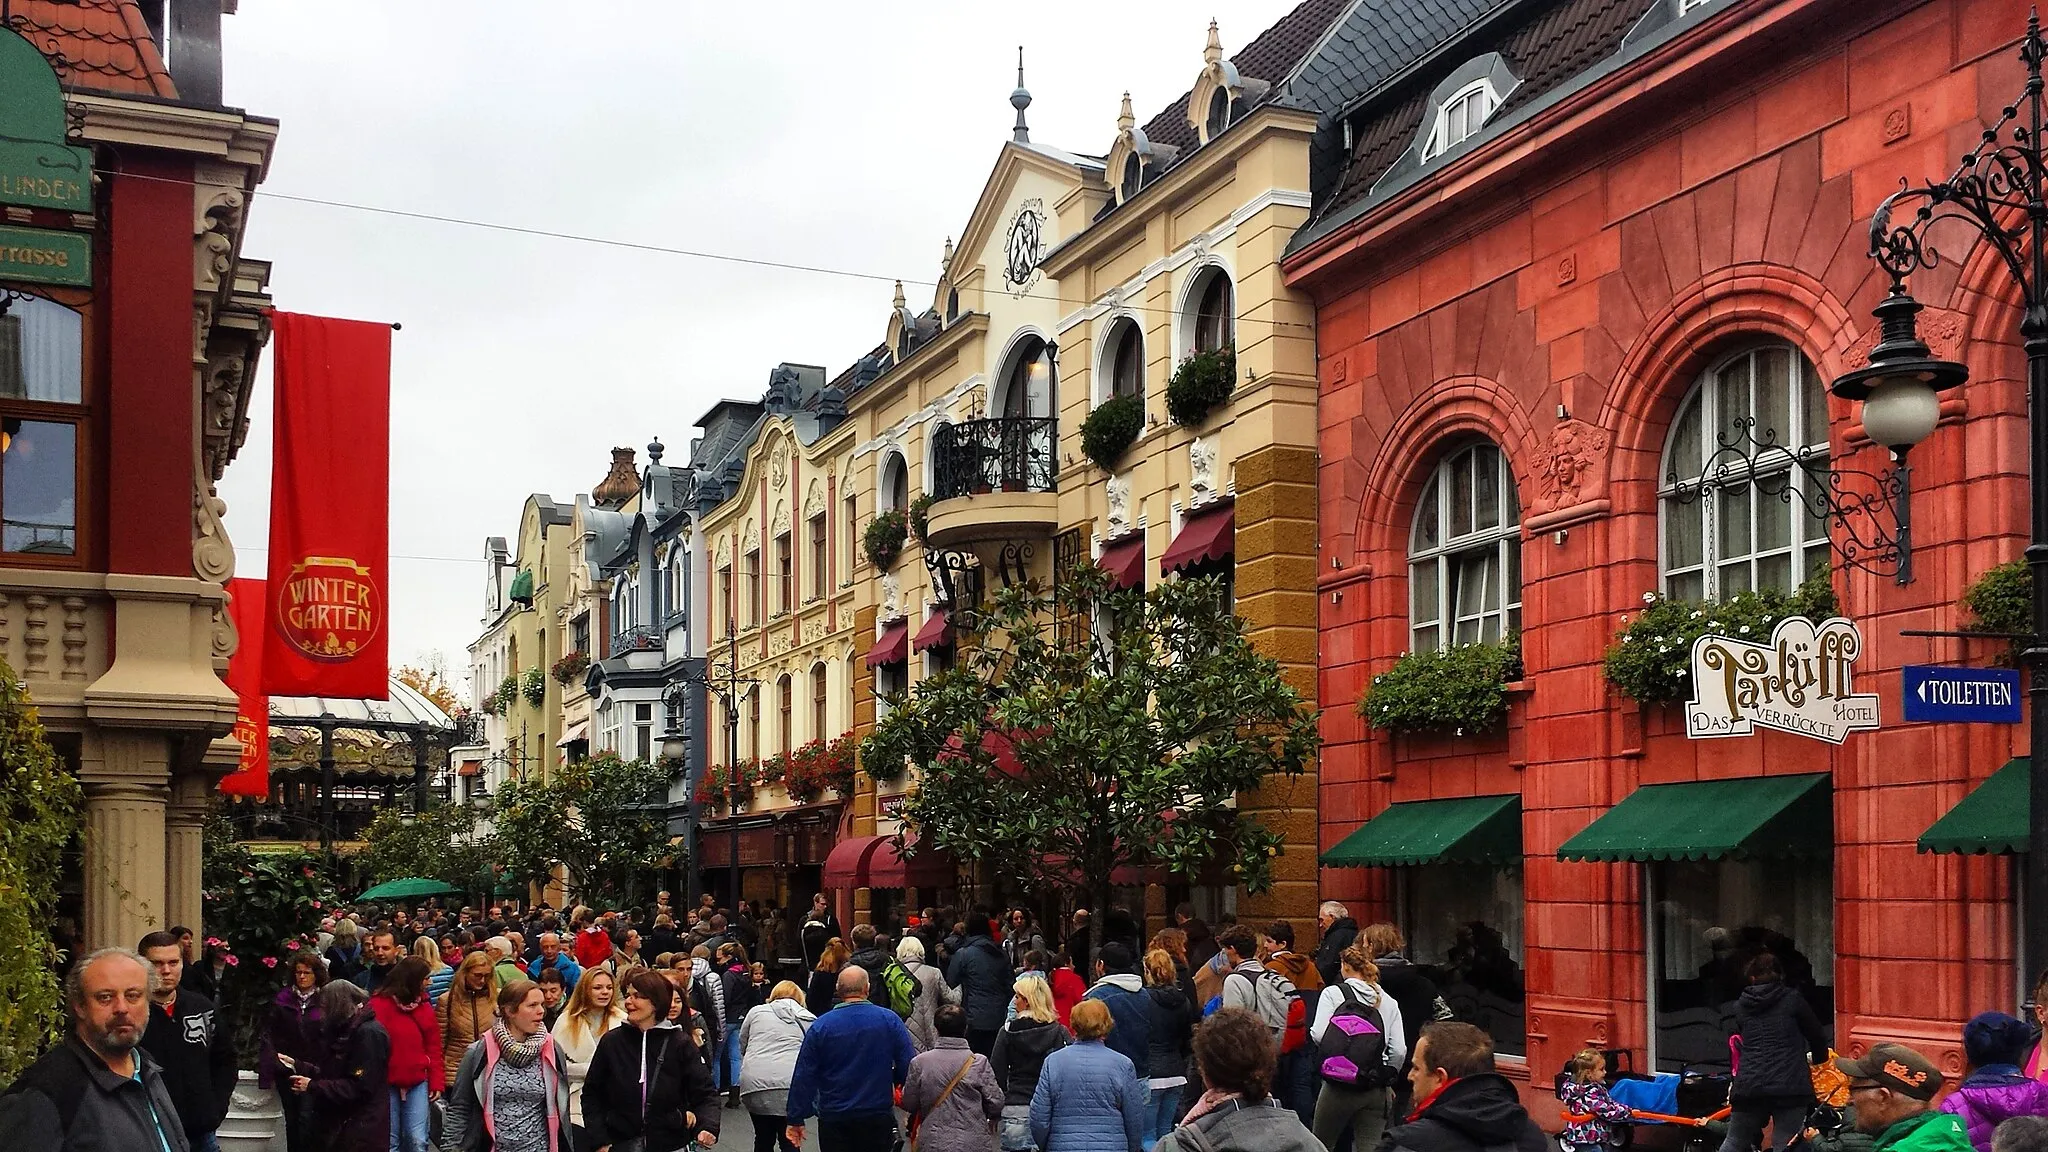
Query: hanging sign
x=39, y=167
x=1933, y=692
x=251, y=776
x=1801, y=682
x=41, y=256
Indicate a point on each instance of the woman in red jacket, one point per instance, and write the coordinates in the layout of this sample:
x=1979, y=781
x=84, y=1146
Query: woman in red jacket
x=416, y=1072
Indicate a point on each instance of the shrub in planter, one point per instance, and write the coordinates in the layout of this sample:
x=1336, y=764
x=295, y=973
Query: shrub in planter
x=920, y=513
x=883, y=539
x=2002, y=600
x=570, y=668
x=508, y=694
x=1199, y=384
x=1461, y=690
x=40, y=802
x=1111, y=429
x=1651, y=661
x=534, y=686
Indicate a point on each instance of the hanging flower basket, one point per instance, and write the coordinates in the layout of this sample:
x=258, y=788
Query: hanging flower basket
x=1459, y=691
x=1111, y=429
x=1201, y=382
x=883, y=539
x=570, y=668
x=534, y=686
x=1651, y=661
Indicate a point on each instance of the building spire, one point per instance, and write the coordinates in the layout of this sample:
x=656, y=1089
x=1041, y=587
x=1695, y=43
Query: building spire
x=899, y=304
x=1125, y=120
x=1020, y=100
x=946, y=258
x=1213, y=51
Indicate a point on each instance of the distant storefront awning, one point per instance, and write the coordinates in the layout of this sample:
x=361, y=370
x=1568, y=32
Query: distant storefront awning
x=847, y=865
x=936, y=633
x=893, y=647
x=1991, y=819
x=522, y=587
x=1461, y=830
x=577, y=733
x=1124, y=560
x=1207, y=534
x=926, y=868
x=469, y=768
x=1758, y=817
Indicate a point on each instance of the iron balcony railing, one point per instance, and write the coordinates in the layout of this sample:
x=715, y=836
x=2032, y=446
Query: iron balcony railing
x=641, y=639
x=1012, y=454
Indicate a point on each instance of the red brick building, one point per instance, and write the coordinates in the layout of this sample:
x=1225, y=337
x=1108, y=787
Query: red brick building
x=1550, y=262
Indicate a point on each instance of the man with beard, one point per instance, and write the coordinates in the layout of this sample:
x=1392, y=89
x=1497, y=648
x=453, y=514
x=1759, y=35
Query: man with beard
x=97, y=1091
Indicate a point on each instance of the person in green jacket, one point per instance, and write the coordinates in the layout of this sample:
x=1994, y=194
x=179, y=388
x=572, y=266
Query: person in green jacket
x=1892, y=1089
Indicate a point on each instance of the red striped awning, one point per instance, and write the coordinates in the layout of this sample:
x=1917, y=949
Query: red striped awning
x=1124, y=560
x=893, y=647
x=1207, y=534
x=936, y=633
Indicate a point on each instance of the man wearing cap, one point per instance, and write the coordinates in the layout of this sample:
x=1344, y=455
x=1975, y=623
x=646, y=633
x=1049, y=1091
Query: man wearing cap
x=1892, y=1089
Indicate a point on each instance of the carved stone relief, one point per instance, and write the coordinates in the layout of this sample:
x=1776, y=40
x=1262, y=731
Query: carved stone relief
x=892, y=596
x=1572, y=469
x=1119, y=494
x=1202, y=452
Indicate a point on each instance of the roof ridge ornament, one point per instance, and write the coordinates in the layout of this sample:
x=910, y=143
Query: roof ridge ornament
x=1213, y=51
x=1125, y=120
x=1020, y=99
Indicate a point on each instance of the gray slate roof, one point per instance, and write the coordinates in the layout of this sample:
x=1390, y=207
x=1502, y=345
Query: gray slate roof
x=1373, y=43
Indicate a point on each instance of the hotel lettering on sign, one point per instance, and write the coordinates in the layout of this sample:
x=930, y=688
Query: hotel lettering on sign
x=1801, y=681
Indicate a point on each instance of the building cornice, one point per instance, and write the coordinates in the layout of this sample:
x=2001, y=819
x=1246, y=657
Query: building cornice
x=221, y=133
x=928, y=354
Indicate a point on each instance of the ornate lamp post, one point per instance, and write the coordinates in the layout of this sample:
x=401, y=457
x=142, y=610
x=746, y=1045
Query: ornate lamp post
x=1997, y=195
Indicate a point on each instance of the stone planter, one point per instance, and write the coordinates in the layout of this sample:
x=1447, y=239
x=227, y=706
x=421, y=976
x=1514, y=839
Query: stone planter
x=255, y=1121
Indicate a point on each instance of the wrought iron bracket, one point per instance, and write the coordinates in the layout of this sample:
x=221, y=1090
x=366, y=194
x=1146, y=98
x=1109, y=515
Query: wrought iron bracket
x=1868, y=513
x=956, y=578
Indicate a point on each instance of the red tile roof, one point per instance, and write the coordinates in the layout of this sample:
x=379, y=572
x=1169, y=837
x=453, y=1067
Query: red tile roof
x=95, y=45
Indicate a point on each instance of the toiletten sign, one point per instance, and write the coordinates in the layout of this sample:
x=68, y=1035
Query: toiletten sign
x=1801, y=681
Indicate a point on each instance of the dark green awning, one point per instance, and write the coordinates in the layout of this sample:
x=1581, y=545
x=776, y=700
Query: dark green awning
x=1465, y=830
x=522, y=587
x=1992, y=818
x=1753, y=817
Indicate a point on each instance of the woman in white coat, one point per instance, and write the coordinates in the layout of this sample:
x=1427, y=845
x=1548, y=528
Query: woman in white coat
x=1360, y=1108
x=770, y=1037
x=593, y=1010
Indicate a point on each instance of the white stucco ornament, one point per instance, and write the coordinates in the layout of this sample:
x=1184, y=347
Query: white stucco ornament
x=892, y=596
x=1119, y=493
x=1202, y=453
x=778, y=466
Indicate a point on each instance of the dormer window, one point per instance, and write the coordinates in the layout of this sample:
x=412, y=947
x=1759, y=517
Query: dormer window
x=1459, y=118
x=1134, y=175
x=1219, y=112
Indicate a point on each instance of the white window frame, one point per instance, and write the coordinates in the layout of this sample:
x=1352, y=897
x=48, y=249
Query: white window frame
x=1488, y=102
x=1504, y=537
x=1801, y=442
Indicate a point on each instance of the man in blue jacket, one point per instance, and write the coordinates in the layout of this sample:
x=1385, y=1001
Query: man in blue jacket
x=847, y=1072
x=1123, y=993
x=552, y=955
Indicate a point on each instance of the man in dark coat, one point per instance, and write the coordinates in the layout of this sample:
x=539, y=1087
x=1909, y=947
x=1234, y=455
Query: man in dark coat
x=1339, y=932
x=819, y=928
x=983, y=979
x=1462, y=1104
x=187, y=1040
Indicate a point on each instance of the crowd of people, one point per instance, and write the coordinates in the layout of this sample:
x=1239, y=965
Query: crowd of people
x=434, y=1029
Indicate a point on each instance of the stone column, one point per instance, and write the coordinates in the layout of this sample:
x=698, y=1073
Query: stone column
x=184, y=822
x=126, y=777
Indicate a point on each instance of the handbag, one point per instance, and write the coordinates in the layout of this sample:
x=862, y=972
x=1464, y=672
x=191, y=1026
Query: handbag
x=917, y=1123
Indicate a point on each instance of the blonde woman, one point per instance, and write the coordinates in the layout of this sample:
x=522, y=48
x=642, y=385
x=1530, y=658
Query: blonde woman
x=594, y=1008
x=468, y=1010
x=769, y=1039
x=439, y=974
x=1022, y=1044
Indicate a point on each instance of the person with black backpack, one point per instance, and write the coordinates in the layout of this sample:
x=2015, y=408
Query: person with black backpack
x=1361, y=1044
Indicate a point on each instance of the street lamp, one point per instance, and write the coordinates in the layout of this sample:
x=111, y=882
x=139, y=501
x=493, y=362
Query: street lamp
x=730, y=687
x=1999, y=193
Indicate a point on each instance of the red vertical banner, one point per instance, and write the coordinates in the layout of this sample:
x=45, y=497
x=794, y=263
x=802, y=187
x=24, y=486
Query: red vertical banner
x=251, y=777
x=324, y=631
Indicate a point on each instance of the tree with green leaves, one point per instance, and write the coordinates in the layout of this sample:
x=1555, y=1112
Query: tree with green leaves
x=39, y=807
x=441, y=843
x=602, y=819
x=1088, y=729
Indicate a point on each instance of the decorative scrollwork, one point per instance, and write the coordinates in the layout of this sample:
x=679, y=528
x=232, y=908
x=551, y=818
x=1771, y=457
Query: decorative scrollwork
x=1013, y=561
x=1866, y=512
x=956, y=578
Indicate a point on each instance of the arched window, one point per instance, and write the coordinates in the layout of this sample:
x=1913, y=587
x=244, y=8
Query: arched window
x=788, y=729
x=952, y=305
x=895, y=483
x=1134, y=177
x=1460, y=117
x=1215, y=312
x=1028, y=385
x=1465, y=553
x=1126, y=360
x=1758, y=532
x=1219, y=112
x=819, y=728
x=752, y=729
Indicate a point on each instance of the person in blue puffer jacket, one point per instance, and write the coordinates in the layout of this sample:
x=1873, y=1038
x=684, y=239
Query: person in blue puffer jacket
x=1089, y=1097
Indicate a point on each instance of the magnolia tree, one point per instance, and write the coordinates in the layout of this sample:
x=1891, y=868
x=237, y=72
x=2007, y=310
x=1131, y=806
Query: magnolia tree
x=1088, y=729
x=602, y=819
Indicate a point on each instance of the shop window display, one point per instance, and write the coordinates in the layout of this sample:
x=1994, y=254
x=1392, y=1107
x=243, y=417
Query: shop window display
x=1464, y=927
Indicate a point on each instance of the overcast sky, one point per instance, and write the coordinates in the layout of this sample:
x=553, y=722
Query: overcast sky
x=851, y=137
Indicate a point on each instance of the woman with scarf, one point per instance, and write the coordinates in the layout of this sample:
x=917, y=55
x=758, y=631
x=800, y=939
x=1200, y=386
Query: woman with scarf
x=511, y=1092
x=593, y=1010
x=468, y=1008
x=649, y=1090
x=1237, y=1112
x=349, y=1095
x=292, y=1037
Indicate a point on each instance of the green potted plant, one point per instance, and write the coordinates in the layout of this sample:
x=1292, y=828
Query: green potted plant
x=884, y=536
x=1651, y=660
x=2002, y=600
x=1460, y=691
x=508, y=694
x=1200, y=383
x=920, y=515
x=1111, y=429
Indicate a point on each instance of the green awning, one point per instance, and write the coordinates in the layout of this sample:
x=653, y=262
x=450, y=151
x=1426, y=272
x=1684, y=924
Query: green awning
x=522, y=587
x=1992, y=818
x=1749, y=818
x=1465, y=830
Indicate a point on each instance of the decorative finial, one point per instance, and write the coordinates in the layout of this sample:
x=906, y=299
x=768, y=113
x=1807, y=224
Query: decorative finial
x=1020, y=100
x=899, y=303
x=654, y=450
x=1125, y=121
x=946, y=258
x=1214, y=51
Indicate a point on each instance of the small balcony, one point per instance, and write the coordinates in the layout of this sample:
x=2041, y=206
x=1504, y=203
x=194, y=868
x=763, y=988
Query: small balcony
x=994, y=480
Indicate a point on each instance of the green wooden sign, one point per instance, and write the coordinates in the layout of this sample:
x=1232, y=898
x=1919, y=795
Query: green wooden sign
x=43, y=256
x=38, y=169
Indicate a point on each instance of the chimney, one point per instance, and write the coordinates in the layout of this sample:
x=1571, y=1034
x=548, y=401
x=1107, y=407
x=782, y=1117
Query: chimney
x=194, y=54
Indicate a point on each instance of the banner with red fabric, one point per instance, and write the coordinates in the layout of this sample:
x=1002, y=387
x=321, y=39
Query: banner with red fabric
x=324, y=631
x=251, y=777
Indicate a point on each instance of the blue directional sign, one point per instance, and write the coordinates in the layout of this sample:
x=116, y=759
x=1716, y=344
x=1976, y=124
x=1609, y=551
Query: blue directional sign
x=1934, y=692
